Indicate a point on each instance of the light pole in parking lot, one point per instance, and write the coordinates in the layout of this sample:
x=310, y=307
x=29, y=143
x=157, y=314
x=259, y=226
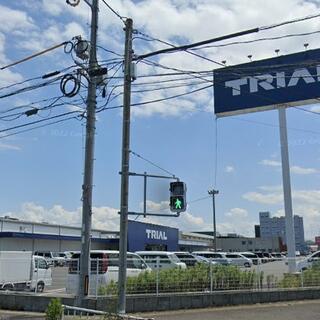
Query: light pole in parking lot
x=213, y=193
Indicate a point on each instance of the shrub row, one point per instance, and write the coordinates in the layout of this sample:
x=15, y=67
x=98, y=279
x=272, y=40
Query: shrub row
x=201, y=277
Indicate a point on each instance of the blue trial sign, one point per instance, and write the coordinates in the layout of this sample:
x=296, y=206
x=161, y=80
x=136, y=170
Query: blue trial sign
x=265, y=84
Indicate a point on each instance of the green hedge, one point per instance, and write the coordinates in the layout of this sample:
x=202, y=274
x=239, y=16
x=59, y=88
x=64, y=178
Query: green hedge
x=198, y=278
x=307, y=278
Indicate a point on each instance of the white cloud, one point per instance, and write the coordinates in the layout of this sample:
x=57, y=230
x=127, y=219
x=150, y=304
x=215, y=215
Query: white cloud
x=271, y=163
x=185, y=222
x=53, y=7
x=105, y=218
x=263, y=198
x=301, y=170
x=237, y=213
x=14, y=20
x=6, y=146
x=237, y=220
x=229, y=169
x=293, y=169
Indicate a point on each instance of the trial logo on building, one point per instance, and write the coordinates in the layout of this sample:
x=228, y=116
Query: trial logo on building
x=156, y=234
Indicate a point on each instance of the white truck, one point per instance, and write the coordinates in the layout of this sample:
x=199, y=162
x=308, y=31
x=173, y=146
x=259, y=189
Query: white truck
x=20, y=270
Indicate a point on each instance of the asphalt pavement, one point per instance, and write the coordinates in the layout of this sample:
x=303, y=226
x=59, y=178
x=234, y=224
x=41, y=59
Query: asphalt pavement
x=306, y=310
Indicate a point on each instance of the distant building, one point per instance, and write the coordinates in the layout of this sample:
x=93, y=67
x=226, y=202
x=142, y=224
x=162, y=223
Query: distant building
x=275, y=227
x=233, y=242
x=317, y=241
x=257, y=231
x=242, y=244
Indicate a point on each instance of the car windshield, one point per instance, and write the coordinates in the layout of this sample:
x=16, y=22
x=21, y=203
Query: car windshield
x=55, y=254
x=174, y=258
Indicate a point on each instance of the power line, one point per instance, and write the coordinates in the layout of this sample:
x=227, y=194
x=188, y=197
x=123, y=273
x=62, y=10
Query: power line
x=34, y=55
x=169, y=87
x=307, y=110
x=152, y=163
x=30, y=88
x=157, y=100
x=37, y=121
x=187, y=51
x=37, y=127
x=273, y=125
x=276, y=25
x=111, y=51
x=222, y=38
x=257, y=40
x=122, y=18
x=190, y=73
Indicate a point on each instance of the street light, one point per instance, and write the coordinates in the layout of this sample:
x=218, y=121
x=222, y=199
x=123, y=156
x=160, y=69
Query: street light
x=213, y=193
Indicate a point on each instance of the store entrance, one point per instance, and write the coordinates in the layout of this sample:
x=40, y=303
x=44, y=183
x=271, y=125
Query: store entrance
x=156, y=247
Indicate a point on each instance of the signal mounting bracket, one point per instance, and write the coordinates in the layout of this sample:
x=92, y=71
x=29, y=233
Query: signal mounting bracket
x=145, y=176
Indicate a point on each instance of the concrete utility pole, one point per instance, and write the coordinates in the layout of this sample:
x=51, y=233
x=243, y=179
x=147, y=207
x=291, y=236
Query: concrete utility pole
x=89, y=158
x=213, y=193
x=289, y=222
x=125, y=168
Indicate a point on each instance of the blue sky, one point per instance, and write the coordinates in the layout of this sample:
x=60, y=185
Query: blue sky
x=42, y=169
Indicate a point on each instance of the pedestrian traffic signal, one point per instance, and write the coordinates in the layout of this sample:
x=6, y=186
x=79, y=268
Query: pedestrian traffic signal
x=178, y=196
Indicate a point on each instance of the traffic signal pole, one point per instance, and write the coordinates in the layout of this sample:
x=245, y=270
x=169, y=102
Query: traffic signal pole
x=125, y=168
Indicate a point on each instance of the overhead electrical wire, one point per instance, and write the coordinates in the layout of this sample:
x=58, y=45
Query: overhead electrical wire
x=152, y=163
x=37, y=127
x=32, y=87
x=122, y=18
x=37, y=121
x=256, y=40
x=34, y=55
x=156, y=100
x=222, y=38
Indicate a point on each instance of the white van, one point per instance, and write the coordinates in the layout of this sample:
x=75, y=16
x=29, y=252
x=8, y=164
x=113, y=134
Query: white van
x=165, y=259
x=104, y=268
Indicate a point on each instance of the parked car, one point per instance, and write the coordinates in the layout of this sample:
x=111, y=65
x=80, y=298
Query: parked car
x=217, y=257
x=189, y=259
x=262, y=257
x=52, y=258
x=278, y=256
x=20, y=270
x=202, y=259
x=268, y=256
x=252, y=256
x=161, y=259
x=309, y=261
x=104, y=268
x=239, y=260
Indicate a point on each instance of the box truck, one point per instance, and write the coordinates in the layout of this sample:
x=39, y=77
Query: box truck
x=21, y=270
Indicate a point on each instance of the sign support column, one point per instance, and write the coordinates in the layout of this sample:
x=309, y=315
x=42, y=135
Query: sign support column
x=289, y=222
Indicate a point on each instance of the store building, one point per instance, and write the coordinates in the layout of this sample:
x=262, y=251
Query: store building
x=19, y=235
x=32, y=236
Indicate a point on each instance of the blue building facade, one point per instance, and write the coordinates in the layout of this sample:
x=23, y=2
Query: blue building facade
x=147, y=236
x=275, y=226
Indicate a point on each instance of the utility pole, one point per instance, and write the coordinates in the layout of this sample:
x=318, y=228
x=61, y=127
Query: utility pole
x=289, y=219
x=89, y=159
x=125, y=168
x=213, y=193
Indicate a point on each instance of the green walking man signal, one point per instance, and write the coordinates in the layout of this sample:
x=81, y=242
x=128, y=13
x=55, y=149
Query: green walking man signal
x=178, y=196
